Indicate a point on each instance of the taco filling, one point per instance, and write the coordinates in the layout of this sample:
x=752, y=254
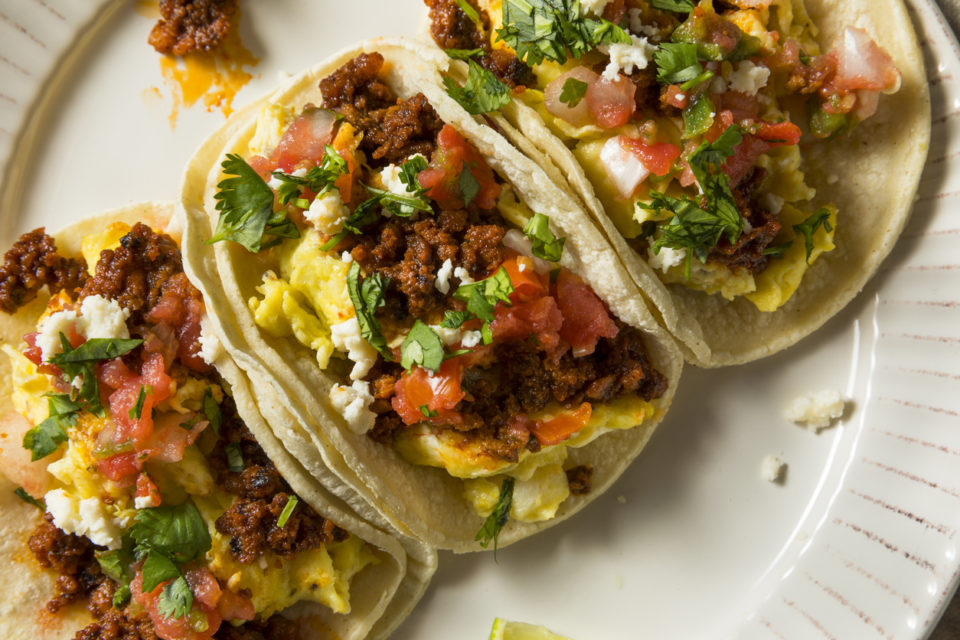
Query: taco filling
x=432, y=294
x=687, y=118
x=160, y=509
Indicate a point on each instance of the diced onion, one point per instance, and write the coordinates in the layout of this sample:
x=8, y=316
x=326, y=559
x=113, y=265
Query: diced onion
x=623, y=168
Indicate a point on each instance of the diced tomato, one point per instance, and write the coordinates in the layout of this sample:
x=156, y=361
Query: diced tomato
x=235, y=607
x=147, y=489
x=304, y=140
x=527, y=283
x=188, y=334
x=32, y=352
x=563, y=426
x=205, y=588
x=585, y=317
x=442, y=178
x=767, y=136
x=182, y=628
x=721, y=123
x=740, y=105
x=263, y=166
x=124, y=399
x=438, y=392
x=172, y=435
x=346, y=143
x=161, y=338
x=658, y=158
x=121, y=466
x=677, y=97
x=611, y=102
x=779, y=133
x=862, y=64
x=540, y=318
x=115, y=374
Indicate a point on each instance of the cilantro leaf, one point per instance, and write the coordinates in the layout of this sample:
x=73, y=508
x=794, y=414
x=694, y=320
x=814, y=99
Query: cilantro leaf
x=482, y=296
x=677, y=6
x=95, y=350
x=178, y=532
x=427, y=412
x=157, y=568
x=399, y=205
x=245, y=203
x=29, y=499
x=44, y=438
x=367, y=297
x=319, y=179
x=454, y=319
x=821, y=217
x=482, y=93
x=470, y=11
x=463, y=54
x=211, y=410
x=136, y=411
x=498, y=518
x=572, y=92
x=553, y=30
x=777, y=250
x=469, y=187
x=176, y=599
x=410, y=171
x=545, y=244
x=422, y=346
x=116, y=565
x=287, y=511
x=234, y=457
x=677, y=62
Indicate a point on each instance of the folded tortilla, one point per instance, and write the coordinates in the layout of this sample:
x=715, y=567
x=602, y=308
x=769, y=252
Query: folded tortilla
x=870, y=174
x=427, y=502
x=381, y=595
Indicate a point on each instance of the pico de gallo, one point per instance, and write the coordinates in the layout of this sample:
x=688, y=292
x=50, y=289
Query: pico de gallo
x=431, y=294
x=159, y=509
x=688, y=119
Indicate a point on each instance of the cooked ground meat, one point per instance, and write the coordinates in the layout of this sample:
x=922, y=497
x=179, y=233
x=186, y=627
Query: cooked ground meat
x=275, y=628
x=113, y=624
x=451, y=28
x=186, y=26
x=71, y=557
x=748, y=251
x=251, y=522
x=393, y=128
x=32, y=263
x=137, y=273
x=580, y=479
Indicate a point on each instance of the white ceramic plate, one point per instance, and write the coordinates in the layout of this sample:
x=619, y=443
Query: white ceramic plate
x=691, y=543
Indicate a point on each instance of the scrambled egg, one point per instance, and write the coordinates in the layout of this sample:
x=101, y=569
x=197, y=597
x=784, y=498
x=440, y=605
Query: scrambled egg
x=537, y=474
x=319, y=575
x=307, y=297
x=93, y=244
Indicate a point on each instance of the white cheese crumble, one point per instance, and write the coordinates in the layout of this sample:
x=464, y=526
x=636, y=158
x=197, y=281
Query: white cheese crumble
x=49, y=330
x=817, y=410
x=594, y=7
x=442, y=281
x=327, y=213
x=627, y=57
x=210, y=346
x=748, y=77
x=772, y=468
x=666, y=259
x=470, y=339
x=448, y=336
x=771, y=202
x=718, y=85
x=143, y=503
x=87, y=517
x=463, y=275
x=635, y=16
x=347, y=257
x=352, y=403
x=275, y=183
x=346, y=338
x=102, y=318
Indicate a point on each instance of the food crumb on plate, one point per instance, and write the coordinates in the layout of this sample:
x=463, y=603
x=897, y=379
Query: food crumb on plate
x=816, y=410
x=772, y=469
x=621, y=500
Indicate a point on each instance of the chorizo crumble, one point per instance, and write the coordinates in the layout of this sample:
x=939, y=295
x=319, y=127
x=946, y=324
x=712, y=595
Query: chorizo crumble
x=186, y=26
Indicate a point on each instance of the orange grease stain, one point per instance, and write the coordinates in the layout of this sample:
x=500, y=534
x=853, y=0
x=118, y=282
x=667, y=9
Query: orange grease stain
x=211, y=78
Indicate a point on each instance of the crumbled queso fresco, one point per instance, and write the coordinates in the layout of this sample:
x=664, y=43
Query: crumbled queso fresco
x=816, y=410
x=772, y=468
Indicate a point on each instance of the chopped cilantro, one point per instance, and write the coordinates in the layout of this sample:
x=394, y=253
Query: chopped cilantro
x=469, y=187
x=677, y=62
x=29, y=499
x=482, y=93
x=157, y=569
x=677, y=6
x=176, y=599
x=367, y=297
x=821, y=217
x=423, y=347
x=573, y=91
x=178, y=532
x=44, y=438
x=428, y=412
x=482, y=296
x=410, y=171
x=212, y=411
x=319, y=179
x=554, y=30
x=470, y=11
x=498, y=518
x=545, y=245
x=121, y=597
x=245, y=203
x=287, y=511
x=136, y=411
x=454, y=319
x=463, y=54
x=400, y=205
x=777, y=250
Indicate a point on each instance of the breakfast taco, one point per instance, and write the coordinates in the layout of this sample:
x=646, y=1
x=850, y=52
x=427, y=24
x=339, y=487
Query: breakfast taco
x=142, y=494
x=457, y=342
x=741, y=155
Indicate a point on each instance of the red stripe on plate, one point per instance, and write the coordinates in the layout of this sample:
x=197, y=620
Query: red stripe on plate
x=923, y=563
